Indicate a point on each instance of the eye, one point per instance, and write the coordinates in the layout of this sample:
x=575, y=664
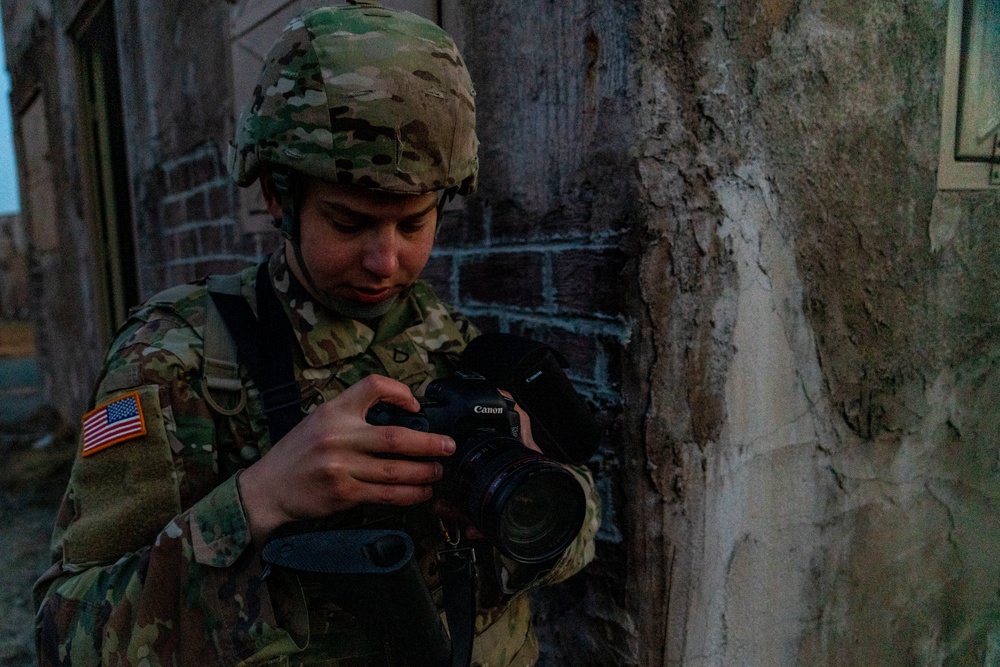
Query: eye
x=345, y=228
x=412, y=226
x=344, y=223
x=418, y=224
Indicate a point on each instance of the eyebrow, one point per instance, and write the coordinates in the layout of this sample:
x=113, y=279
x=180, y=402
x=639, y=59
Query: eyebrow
x=343, y=208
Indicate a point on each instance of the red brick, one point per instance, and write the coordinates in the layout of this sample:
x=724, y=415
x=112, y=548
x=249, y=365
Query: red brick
x=247, y=244
x=487, y=323
x=182, y=273
x=214, y=239
x=587, y=281
x=171, y=247
x=220, y=202
x=197, y=209
x=614, y=353
x=219, y=266
x=161, y=279
x=510, y=278
x=438, y=274
x=174, y=214
x=202, y=170
x=178, y=179
x=188, y=244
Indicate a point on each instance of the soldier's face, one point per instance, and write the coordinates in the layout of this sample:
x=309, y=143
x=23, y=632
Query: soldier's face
x=363, y=246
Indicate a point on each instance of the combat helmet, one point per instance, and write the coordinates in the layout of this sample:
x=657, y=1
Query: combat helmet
x=365, y=95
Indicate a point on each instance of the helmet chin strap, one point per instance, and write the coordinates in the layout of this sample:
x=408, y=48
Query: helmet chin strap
x=345, y=307
x=286, y=186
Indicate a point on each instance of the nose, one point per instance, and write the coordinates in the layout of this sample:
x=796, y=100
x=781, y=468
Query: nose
x=381, y=252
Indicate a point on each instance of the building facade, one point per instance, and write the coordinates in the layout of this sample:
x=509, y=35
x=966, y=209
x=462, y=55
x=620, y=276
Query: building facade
x=750, y=225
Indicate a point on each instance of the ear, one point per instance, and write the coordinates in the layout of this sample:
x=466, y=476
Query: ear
x=271, y=197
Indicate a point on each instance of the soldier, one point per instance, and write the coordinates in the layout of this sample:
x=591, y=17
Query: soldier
x=362, y=124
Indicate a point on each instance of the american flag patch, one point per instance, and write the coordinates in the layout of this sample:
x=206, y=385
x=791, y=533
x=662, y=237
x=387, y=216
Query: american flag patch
x=113, y=422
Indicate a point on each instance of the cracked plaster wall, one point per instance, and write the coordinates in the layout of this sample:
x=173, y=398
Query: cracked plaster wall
x=814, y=476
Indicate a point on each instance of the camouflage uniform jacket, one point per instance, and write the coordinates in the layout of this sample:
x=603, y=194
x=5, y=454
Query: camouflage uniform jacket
x=150, y=549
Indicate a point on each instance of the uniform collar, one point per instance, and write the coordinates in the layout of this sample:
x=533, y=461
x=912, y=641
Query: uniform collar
x=325, y=337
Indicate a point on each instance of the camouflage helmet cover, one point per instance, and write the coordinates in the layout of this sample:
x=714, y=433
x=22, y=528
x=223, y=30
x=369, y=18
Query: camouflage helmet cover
x=366, y=95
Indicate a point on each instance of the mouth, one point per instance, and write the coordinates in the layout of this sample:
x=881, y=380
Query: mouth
x=369, y=294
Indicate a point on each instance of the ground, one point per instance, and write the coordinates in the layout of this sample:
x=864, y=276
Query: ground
x=36, y=453
x=31, y=483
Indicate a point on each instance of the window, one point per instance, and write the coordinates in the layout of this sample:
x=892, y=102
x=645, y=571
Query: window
x=970, y=126
x=254, y=27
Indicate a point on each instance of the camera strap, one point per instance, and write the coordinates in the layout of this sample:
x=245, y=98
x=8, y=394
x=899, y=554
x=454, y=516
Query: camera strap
x=264, y=346
x=456, y=567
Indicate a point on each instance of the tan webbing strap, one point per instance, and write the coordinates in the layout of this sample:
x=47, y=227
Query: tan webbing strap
x=172, y=295
x=222, y=371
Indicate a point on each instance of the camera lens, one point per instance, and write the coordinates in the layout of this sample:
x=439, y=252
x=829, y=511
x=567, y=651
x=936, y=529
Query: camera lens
x=541, y=514
x=530, y=507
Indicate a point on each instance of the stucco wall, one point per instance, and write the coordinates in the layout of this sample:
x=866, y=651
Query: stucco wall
x=820, y=384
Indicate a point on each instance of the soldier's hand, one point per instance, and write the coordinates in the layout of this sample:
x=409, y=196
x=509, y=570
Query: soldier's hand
x=527, y=439
x=334, y=460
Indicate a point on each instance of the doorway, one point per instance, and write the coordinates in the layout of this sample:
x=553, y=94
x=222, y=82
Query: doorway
x=106, y=169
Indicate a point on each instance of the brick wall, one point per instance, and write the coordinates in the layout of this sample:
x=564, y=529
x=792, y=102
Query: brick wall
x=562, y=291
x=198, y=231
x=545, y=247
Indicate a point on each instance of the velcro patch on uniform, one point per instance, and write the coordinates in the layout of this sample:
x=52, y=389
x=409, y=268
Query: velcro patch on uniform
x=112, y=423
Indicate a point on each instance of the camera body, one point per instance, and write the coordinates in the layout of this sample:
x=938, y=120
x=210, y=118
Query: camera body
x=530, y=507
x=461, y=405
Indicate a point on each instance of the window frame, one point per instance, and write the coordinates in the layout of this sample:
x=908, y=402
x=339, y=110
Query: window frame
x=955, y=173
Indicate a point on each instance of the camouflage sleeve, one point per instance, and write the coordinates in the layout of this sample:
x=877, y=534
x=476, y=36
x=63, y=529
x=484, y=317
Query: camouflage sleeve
x=138, y=577
x=580, y=552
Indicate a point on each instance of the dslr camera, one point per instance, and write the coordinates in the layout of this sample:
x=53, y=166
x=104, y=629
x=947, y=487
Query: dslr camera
x=528, y=506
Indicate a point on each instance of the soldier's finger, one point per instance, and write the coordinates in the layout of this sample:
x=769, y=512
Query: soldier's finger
x=375, y=388
x=395, y=494
x=398, y=471
x=400, y=441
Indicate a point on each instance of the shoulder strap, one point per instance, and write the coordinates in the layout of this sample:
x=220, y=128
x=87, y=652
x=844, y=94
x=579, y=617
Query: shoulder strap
x=263, y=344
x=171, y=295
x=457, y=570
x=220, y=380
x=221, y=370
